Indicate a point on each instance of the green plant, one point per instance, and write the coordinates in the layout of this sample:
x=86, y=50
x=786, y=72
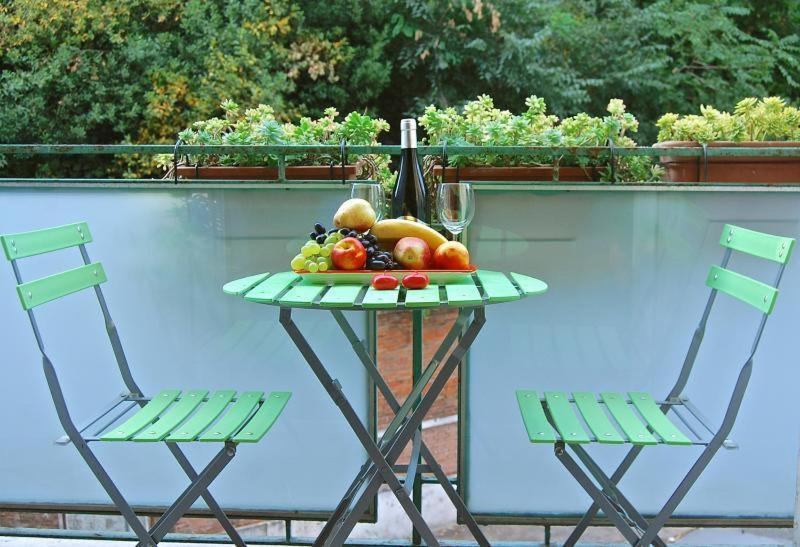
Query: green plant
x=137, y=71
x=768, y=119
x=259, y=126
x=480, y=123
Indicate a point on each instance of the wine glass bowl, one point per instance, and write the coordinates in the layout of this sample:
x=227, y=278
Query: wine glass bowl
x=373, y=193
x=455, y=205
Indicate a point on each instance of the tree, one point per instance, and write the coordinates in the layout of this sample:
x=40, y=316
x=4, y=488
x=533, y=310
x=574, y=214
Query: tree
x=142, y=70
x=76, y=71
x=663, y=55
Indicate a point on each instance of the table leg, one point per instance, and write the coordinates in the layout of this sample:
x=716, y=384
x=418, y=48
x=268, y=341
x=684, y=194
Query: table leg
x=412, y=479
x=383, y=387
x=401, y=412
x=334, y=390
x=398, y=440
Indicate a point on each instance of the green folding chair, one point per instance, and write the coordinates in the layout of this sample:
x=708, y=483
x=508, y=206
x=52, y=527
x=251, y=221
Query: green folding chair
x=170, y=416
x=616, y=418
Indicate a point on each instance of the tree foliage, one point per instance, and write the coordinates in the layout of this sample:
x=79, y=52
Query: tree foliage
x=658, y=56
x=142, y=70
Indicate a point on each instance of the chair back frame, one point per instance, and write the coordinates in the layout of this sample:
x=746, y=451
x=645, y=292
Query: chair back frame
x=51, y=375
x=737, y=395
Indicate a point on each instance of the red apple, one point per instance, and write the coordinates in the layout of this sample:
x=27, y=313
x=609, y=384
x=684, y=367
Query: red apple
x=413, y=253
x=349, y=254
x=451, y=256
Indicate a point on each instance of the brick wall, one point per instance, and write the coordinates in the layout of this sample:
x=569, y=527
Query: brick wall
x=394, y=357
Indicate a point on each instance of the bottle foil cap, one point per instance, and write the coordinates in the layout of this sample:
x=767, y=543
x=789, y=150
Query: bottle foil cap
x=408, y=133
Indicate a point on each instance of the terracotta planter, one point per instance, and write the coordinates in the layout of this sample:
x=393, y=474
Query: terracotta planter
x=755, y=169
x=298, y=172
x=565, y=174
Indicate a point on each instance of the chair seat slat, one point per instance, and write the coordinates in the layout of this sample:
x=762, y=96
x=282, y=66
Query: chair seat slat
x=198, y=423
x=536, y=424
x=181, y=410
x=657, y=420
x=567, y=424
x=144, y=417
x=236, y=416
x=263, y=420
x=618, y=407
x=596, y=419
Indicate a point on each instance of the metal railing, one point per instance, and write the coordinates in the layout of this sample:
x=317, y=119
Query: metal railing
x=609, y=154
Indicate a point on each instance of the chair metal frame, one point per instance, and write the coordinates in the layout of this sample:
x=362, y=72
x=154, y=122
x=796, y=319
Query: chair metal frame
x=199, y=480
x=604, y=489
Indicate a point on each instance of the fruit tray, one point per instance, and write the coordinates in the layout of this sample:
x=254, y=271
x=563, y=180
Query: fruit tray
x=363, y=277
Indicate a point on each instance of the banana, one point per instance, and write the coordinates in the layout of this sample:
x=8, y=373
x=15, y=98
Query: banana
x=393, y=229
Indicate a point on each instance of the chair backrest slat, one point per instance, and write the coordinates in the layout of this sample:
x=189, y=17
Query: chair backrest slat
x=25, y=244
x=43, y=290
x=755, y=293
x=775, y=248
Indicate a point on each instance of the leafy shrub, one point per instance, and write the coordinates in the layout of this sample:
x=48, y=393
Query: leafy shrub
x=137, y=71
x=259, y=126
x=768, y=119
x=480, y=123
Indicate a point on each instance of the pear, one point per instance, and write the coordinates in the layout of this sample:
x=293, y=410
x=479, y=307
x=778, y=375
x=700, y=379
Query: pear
x=356, y=214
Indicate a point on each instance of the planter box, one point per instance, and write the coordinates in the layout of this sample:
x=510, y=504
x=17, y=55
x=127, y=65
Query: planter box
x=296, y=172
x=517, y=174
x=755, y=169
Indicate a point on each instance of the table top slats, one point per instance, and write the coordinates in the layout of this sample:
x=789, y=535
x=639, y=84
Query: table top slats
x=290, y=290
x=497, y=287
x=268, y=290
x=241, y=286
x=375, y=299
x=529, y=285
x=341, y=296
x=463, y=293
x=301, y=295
x=423, y=298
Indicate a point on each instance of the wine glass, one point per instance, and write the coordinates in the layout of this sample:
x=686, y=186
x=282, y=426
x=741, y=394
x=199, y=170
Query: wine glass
x=373, y=193
x=455, y=204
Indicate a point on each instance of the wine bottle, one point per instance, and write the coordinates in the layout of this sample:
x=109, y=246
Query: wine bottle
x=410, y=198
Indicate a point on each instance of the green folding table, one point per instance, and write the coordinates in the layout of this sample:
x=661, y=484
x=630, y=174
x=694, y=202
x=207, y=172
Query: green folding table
x=470, y=295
